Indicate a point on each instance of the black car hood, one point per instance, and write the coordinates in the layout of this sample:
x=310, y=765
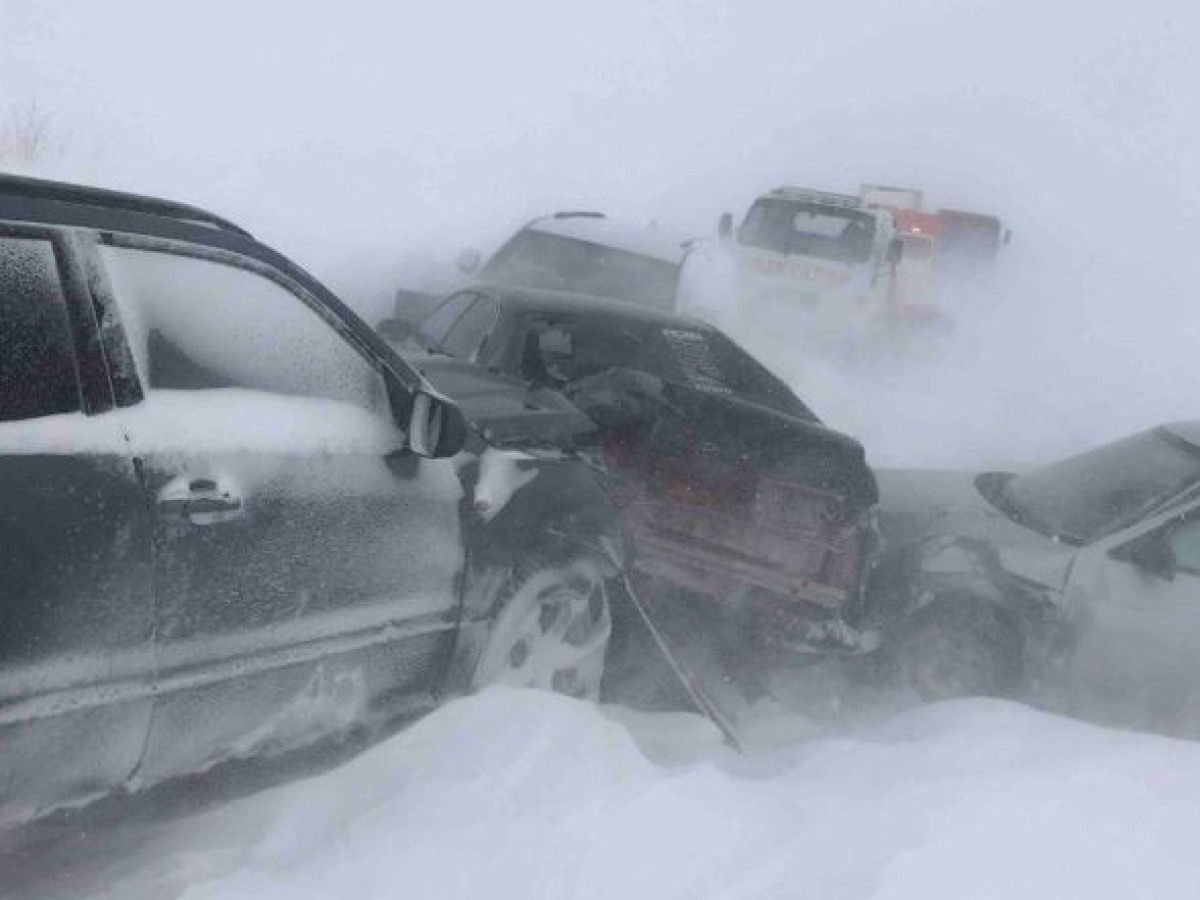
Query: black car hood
x=920, y=506
x=506, y=411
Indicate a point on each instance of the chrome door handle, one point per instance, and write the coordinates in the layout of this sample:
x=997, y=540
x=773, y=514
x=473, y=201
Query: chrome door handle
x=200, y=501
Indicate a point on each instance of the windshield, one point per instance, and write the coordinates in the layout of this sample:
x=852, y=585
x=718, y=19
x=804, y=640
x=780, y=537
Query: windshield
x=1087, y=496
x=566, y=349
x=809, y=229
x=541, y=260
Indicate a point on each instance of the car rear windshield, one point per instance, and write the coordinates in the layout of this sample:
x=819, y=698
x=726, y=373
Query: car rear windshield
x=698, y=358
x=1087, y=496
x=809, y=229
x=540, y=260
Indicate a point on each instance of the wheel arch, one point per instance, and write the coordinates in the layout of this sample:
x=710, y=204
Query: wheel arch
x=983, y=613
x=562, y=513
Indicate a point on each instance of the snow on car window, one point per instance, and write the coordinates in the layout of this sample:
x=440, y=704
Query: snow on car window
x=199, y=324
x=37, y=371
x=230, y=420
x=696, y=359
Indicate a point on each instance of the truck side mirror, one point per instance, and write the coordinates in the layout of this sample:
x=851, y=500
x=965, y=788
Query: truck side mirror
x=725, y=225
x=895, y=251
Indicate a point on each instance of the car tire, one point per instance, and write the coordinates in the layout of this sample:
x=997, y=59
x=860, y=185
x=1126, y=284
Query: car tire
x=552, y=631
x=958, y=648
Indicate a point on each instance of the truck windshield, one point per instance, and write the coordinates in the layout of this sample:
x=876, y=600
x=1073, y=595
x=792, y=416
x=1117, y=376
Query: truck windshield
x=1085, y=497
x=809, y=229
x=541, y=260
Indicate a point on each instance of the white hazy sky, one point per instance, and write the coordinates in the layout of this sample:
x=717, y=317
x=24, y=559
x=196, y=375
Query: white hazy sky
x=370, y=138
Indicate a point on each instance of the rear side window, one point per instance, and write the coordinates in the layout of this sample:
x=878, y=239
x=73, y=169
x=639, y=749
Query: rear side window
x=37, y=365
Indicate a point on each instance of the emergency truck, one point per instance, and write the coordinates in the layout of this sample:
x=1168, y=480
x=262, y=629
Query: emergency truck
x=855, y=273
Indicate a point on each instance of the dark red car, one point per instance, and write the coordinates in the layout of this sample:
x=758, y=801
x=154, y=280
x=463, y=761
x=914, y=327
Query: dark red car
x=734, y=495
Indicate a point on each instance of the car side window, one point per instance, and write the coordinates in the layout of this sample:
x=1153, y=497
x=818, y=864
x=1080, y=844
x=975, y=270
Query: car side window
x=37, y=365
x=1185, y=542
x=439, y=322
x=466, y=337
x=201, y=324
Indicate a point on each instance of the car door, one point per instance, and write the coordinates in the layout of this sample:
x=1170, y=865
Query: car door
x=305, y=567
x=76, y=666
x=1137, y=661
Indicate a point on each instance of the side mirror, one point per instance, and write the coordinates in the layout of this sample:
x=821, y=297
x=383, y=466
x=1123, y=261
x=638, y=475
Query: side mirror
x=396, y=331
x=895, y=251
x=469, y=260
x=436, y=427
x=1153, y=555
x=725, y=225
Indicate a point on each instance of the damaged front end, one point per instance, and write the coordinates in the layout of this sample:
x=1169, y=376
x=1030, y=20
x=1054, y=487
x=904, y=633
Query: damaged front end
x=1023, y=584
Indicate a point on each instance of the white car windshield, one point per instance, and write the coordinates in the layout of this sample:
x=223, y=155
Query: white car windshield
x=541, y=260
x=1084, y=497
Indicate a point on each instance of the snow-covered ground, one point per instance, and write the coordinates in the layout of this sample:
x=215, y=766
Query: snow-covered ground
x=512, y=794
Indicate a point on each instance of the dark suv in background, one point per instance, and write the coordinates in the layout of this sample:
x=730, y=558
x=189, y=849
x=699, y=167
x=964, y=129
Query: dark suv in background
x=234, y=523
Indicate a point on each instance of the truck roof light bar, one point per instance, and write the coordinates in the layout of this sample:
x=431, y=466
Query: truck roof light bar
x=824, y=198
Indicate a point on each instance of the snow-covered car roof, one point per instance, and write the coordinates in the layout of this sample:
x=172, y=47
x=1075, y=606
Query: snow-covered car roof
x=598, y=229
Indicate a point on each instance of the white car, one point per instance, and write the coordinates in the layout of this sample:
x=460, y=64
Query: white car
x=587, y=253
x=1077, y=581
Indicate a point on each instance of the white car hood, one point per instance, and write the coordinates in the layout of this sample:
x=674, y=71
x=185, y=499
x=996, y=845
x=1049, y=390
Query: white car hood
x=924, y=506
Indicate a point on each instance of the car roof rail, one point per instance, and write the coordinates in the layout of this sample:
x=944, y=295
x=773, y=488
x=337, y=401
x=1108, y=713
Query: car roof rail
x=80, y=195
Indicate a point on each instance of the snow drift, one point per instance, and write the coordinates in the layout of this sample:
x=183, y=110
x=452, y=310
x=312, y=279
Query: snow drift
x=519, y=794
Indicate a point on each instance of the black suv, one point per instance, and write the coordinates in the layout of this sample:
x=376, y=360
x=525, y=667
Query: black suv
x=234, y=523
